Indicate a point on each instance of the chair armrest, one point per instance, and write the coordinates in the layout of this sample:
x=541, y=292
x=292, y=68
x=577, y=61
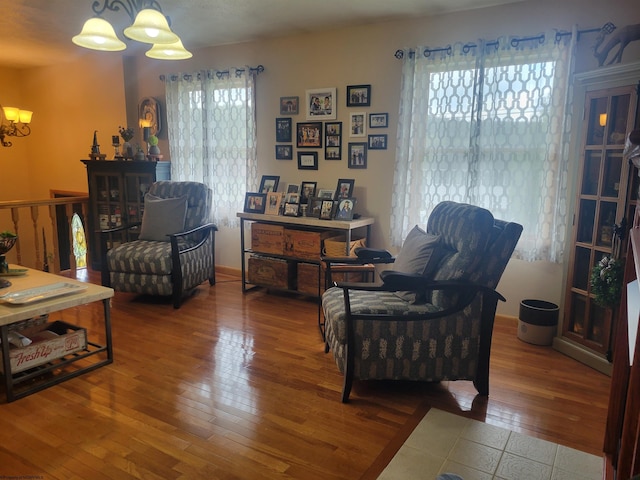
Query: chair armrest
x=119, y=229
x=203, y=230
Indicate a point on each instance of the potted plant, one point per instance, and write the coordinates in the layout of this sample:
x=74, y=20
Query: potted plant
x=7, y=241
x=153, y=145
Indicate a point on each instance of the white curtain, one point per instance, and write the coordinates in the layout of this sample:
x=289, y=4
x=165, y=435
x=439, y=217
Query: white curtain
x=488, y=124
x=212, y=135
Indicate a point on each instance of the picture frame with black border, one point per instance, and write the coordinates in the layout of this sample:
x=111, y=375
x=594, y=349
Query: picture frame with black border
x=358, y=95
x=273, y=203
x=309, y=134
x=293, y=188
x=315, y=205
x=357, y=155
x=269, y=183
x=291, y=209
x=307, y=160
x=344, y=189
x=357, y=126
x=307, y=190
x=321, y=104
x=283, y=129
x=284, y=152
x=289, y=105
x=333, y=141
x=326, y=193
x=292, y=198
x=326, y=209
x=377, y=142
x=344, y=209
x=255, y=202
x=378, y=120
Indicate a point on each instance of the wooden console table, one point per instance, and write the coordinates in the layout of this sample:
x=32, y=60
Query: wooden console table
x=44, y=376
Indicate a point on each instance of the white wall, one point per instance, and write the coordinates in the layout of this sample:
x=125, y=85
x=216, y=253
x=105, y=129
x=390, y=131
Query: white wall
x=364, y=55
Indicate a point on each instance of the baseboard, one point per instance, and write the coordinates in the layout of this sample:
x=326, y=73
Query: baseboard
x=579, y=353
x=236, y=272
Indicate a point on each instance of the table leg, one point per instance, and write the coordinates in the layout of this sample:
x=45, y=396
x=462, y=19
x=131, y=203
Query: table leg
x=6, y=362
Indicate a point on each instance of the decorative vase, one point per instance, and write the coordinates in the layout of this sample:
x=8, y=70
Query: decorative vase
x=140, y=156
x=154, y=150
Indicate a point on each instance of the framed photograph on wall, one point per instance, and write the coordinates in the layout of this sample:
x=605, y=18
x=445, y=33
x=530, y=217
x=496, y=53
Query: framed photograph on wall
x=284, y=152
x=357, y=155
x=307, y=160
x=377, y=142
x=289, y=105
x=344, y=189
x=357, y=127
x=309, y=135
x=326, y=193
x=378, y=120
x=283, y=129
x=273, y=203
x=358, y=95
x=321, y=104
x=269, y=183
x=333, y=141
x=254, y=202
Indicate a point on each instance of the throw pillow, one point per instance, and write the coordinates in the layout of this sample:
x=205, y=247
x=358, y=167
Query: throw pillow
x=419, y=255
x=162, y=216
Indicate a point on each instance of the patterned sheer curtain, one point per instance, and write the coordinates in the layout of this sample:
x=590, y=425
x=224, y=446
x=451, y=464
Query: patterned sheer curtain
x=488, y=124
x=212, y=135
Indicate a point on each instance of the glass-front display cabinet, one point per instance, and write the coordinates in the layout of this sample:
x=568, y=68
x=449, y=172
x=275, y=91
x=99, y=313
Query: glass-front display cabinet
x=607, y=194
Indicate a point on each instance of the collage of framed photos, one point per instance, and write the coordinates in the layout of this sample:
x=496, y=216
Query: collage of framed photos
x=322, y=132
x=304, y=200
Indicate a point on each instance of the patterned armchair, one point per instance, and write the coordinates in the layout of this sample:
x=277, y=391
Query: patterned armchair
x=432, y=317
x=175, y=248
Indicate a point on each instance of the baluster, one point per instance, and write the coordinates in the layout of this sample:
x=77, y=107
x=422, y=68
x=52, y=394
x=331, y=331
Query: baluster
x=36, y=237
x=15, y=217
x=54, y=256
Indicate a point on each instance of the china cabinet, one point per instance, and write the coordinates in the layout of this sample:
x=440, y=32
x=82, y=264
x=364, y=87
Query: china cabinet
x=116, y=197
x=606, y=195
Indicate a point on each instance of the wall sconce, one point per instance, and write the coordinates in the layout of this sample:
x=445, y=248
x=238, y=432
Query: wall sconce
x=18, y=125
x=603, y=119
x=149, y=26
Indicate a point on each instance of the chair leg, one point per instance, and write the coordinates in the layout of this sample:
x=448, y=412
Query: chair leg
x=348, y=376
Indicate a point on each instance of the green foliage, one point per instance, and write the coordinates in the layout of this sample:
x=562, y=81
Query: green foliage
x=7, y=234
x=153, y=140
x=606, y=282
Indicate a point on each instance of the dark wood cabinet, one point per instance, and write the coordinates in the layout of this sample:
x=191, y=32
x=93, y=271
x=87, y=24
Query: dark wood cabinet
x=116, y=197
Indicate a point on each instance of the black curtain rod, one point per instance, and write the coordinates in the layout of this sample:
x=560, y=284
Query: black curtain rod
x=514, y=43
x=218, y=73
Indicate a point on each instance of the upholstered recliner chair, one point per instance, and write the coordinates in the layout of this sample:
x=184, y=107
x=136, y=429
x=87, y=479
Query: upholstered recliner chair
x=175, y=248
x=431, y=318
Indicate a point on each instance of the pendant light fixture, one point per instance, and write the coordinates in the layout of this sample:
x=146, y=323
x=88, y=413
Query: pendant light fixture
x=149, y=26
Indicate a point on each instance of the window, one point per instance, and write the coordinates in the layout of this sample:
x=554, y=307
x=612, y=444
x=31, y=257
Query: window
x=486, y=125
x=211, y=129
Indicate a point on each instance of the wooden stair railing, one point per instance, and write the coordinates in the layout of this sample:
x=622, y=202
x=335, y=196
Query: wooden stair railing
x=36, y=224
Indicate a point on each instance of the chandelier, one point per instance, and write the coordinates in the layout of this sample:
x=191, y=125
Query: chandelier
x=149, y=26
x=18, y=125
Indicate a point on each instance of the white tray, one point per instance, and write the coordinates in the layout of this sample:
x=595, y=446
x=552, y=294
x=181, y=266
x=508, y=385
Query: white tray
x=45, y=292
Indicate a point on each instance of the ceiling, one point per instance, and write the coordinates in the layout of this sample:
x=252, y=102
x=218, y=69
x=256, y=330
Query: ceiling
x=38, y=32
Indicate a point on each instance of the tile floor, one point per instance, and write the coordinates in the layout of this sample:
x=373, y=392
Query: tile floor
x=444, y=442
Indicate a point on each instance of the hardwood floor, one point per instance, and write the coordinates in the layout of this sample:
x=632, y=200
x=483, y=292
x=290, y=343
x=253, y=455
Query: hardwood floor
x=235, y=386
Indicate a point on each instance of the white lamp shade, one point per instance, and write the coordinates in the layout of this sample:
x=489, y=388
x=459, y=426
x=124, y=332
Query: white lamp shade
x=25, y=116
x=174, y=51
x=151, y=26
x=11, y=113
x=98, y=34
